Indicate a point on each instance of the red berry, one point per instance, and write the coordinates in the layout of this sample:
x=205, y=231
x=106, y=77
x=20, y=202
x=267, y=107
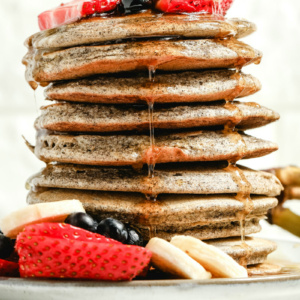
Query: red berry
x=56, y=256
x=64, y=231
x=73, y=11
x=189, y=6
x=8, y=268
x=88, y=8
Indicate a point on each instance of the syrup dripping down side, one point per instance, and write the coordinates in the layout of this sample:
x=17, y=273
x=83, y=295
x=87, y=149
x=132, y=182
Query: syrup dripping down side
x=238, y=176
x=151, y=160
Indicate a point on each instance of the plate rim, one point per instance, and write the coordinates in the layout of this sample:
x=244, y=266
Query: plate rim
x=142, y=283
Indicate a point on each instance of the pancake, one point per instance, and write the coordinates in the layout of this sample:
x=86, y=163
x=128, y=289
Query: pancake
x=77, y=62
x=263, y=269
x=206, y=232
x=184, y=211
x=187, y=179
x=172, y=215
x=141, y=25
x=120, y=150
x=167, y=88
x=107, y=118
x=255, y=252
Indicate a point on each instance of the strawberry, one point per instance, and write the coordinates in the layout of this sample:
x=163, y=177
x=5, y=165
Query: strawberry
x=8, y=268
x=218, y=7
x=74, y=11
x=58, y=253
x=64, y=231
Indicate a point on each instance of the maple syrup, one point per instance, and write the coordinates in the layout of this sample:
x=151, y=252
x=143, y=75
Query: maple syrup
x=151, y=159
x=237, y=174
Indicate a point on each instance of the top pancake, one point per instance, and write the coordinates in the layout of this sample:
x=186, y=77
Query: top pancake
x=141, y=25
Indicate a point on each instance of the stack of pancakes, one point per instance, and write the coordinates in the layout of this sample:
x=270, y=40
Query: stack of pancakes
x=145, y=127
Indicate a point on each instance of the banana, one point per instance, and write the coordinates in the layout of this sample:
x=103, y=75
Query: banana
x=170, y=259
x=211, y=258
x=14, y=223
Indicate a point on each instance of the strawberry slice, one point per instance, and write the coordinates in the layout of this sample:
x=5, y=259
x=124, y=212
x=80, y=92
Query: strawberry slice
x=57, y=256
x=64, y=231
x=218, y=7
x=74, y=11
x=8, y=268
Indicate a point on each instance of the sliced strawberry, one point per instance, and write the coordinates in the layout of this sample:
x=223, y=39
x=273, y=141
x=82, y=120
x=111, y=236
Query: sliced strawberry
x=64, y=231
x=8, y=268
x=219, y=7
x=74, y=11
x=85, y=257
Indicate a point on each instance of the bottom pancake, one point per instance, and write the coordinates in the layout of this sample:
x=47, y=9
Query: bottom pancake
x=263, y=269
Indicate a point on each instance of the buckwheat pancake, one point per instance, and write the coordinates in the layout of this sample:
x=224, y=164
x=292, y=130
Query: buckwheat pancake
x=193, y=178
x=176, y=87
x=205, y=217
x=75, y=117
x=205, y=232
x=167, y=210
x=255, y=251
x=263, y=269
x=169, y=55
x=145, y=24
x=120, y=150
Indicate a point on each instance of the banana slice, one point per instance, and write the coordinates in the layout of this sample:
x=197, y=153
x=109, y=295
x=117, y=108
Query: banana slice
x=14, y=223
x=211, y=258
x=170, y=259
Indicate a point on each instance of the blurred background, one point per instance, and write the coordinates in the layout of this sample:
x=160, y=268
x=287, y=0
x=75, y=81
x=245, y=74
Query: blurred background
x=278, y=23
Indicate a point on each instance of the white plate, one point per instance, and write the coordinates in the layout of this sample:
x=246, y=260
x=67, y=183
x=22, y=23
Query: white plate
x=284, y=286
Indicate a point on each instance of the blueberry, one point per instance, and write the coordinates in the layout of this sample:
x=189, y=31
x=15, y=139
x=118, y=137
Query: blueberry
x=6, y=247
x=136, y=5
x=113, y=229
x=134, y=238
x=82, y=220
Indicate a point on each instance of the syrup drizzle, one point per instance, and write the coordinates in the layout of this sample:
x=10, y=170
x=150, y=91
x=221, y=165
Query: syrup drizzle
x=151, y=161
x=244, y=187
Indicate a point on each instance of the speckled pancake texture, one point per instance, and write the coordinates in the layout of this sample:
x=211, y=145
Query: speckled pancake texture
x=141, y=25
x=196, y=179
x=68, y=117
x=200, y=86
x=83, y=61
x=120, y=150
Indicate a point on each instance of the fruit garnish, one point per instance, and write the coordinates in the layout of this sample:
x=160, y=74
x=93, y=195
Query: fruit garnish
x=218, y=7
x=132, y=6
x=82, y=220
x=51, y=256
x=8, y=268
x=113, y=229
x=6, y=246
x=14, y=223
x=214, y=260
x=64, y=231
x=134, y=238
x=73, y=11
x=171, y=259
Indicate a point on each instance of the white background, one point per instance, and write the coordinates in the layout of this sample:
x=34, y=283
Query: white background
x=278, y=34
